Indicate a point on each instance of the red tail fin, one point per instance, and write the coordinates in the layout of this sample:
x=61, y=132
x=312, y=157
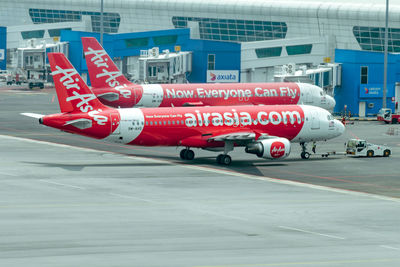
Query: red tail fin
x=102, y=70
x=73, y=93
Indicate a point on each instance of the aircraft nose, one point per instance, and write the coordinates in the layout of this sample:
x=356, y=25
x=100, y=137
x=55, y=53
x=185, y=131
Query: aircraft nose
x=339, y=127
x=330, y=102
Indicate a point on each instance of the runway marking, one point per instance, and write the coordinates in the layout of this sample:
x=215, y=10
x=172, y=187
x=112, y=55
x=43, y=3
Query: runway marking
x=219, y=171
x=130, y=197
x=60, y=184
x=390, y=247
x=311, y=232
x=9, y=174
x=306, y=263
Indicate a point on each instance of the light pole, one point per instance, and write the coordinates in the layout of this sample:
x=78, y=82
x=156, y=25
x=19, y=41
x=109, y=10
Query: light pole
x=101, y=22
x=385, y=56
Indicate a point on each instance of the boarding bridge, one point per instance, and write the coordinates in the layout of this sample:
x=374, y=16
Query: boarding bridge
x=165, y=67
x=326, y=76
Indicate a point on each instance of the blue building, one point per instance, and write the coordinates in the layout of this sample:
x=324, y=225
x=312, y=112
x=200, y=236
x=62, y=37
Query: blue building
x=361, y=90
x=3, y=48
x=226, y=55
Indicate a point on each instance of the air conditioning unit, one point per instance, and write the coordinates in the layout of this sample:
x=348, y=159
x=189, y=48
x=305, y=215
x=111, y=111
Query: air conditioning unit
x=155, y=51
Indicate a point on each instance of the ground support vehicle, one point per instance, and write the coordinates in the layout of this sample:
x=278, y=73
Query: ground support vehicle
x=35, y=83
x=386, y=115
x=361, y=148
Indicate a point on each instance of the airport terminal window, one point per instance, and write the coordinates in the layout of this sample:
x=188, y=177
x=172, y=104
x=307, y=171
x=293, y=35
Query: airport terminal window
x=111, y=21
x=56, y=32
x=299, y=49
x=165, y=40
x=364, y=75
x=268, y=52
x=32, y=34
x=234, y=30
x=372, y=38
x=211, y=62
x=136, y=42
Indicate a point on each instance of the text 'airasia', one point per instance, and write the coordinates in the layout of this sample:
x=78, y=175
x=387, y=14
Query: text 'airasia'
x=113, y=89
x=266, y=131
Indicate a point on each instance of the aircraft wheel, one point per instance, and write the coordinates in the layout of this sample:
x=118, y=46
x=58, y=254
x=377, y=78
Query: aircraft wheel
x=182, y=154
x=386, y=153
x=219, y=158
x=305, y=155
x=226, y=160
x=370, y=153
x=189, y=154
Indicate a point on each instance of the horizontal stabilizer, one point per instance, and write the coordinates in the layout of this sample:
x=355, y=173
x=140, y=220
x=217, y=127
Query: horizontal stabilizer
x=109, y=96
x=193, y=104
x=33, y=115
x=80, y=123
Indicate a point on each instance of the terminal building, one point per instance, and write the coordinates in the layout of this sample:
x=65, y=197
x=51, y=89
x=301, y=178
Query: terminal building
x=310, y=33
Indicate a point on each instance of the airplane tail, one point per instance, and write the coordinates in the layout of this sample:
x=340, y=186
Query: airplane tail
x=73, y=93
x=102, y=70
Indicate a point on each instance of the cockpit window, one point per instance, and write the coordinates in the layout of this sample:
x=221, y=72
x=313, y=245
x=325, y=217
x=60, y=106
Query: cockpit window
x=321, y=94
x=330, y=117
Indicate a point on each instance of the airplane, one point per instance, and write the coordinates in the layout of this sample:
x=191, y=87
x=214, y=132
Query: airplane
x=114, y=89
x=264, y=130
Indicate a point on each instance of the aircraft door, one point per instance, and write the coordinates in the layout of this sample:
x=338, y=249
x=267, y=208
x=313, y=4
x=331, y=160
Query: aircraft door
x=315, y=124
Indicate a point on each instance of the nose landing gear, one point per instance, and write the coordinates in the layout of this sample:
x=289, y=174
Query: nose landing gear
x=304, y=153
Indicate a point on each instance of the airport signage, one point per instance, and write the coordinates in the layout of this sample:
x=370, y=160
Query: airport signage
x=2, y=53
x=375, y=90
x=222, y=76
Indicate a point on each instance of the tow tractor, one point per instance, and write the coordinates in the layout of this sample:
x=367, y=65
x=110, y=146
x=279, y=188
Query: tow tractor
x=386, y=115
x=360, y=148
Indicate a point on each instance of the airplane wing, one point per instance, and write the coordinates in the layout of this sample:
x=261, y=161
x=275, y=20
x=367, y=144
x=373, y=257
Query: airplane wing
x=239, y=136
x=33, y=115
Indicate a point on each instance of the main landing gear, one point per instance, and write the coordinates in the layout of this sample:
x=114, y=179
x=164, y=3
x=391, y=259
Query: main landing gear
x=187, y=154
x=225, y=159
x=304, y=153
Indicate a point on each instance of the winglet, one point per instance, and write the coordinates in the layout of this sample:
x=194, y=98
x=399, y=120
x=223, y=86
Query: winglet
x=102, y=70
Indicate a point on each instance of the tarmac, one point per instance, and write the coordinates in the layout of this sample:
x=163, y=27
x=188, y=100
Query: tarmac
x=67, y=200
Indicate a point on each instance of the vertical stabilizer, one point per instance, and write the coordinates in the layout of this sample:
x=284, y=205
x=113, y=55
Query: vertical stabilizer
x=73, y=93
x=102, y=70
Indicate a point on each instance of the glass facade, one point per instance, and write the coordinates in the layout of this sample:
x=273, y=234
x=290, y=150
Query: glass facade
x=110, y=20
x=373, y=38
x=32, y=34
x=234, y=30
x=137, y=42
x=211, y=62
x=269, y=52
x=165, y=40
x=298, y=49
x=364, y=75
x=56, y=32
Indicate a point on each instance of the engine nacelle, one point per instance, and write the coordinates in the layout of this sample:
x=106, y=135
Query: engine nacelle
x=276, y=148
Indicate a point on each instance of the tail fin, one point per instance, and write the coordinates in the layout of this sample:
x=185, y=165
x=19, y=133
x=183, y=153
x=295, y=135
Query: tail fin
x=72, y=92
x=102, y=70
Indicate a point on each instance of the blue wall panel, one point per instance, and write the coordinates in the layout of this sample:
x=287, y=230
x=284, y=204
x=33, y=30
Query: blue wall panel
x=352, y=91
x=3, y=45
x=227, y=54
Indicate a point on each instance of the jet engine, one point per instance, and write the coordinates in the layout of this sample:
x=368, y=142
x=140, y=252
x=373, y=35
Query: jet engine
x=274, y=148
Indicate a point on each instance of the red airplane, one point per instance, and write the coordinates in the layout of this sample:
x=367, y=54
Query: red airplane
x=113, y=89
x=263, y=130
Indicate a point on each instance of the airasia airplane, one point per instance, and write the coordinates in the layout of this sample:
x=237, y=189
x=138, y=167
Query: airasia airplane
x=263, y=130
x=113, y=89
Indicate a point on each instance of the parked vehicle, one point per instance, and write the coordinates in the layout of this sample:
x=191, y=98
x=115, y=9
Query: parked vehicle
x=361, y=148
x=386, y=115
